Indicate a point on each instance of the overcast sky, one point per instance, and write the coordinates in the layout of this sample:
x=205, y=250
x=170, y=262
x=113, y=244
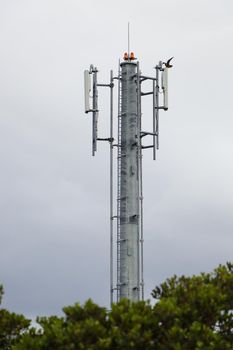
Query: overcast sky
x=54, y=196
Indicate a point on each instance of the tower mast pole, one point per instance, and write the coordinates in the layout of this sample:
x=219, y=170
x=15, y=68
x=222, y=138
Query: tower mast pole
x=129, y=280
x=129, y=189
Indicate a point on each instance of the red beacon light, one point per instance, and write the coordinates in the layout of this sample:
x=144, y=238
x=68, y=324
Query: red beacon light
x=132, y=57
x=129, y=57
x=126, y=57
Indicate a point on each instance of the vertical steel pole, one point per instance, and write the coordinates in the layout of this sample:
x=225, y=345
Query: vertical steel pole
x=119, y=181
x=154, y=119
x=111, y=187
x=141, y=277
x=142, y=233
x=128, y=39
x=129, y=187
x=157, y=106
x=138, y=169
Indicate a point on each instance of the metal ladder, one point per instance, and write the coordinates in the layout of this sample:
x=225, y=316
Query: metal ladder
x=119, y=181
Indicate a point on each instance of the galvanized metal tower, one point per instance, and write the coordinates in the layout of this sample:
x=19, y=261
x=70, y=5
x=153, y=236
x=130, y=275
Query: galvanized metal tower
x=129, y=240
x=126, y=236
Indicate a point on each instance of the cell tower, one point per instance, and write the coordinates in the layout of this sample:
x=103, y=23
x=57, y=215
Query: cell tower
x=126, y=216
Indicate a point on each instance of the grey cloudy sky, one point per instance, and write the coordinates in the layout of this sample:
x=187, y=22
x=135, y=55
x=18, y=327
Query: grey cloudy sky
x=54, y=198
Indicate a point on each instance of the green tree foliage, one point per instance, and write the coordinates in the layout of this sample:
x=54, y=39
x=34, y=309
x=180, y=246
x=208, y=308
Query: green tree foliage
x=196, y=312
x=11, y=326
x=90, y=327
x=190, y=313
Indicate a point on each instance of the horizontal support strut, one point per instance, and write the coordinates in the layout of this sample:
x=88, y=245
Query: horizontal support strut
x=105, y=85
x=145, y=133
x=109, y=139
x=144, y=77
x=162, y=107
x=146, y=93
x=151, y=146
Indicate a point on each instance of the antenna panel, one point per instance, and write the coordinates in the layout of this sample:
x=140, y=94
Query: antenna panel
x=95, y=113
x=87, y=90
x=165, y=88
x=94, y=132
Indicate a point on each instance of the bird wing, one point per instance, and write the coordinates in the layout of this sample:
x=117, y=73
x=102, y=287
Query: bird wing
x=168, y=62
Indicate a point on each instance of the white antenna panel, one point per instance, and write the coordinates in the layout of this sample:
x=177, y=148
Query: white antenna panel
x=87, y=90
x=165, y=88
